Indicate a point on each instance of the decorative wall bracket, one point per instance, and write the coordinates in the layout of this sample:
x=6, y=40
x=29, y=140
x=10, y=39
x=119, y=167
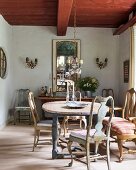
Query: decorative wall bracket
x=30, y=63
x=101, y=64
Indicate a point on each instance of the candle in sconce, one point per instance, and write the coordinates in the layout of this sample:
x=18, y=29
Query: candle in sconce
x=81, y=61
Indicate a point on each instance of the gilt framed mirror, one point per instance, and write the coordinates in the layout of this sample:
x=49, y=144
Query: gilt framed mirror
x=65, y=53
x=3, y=63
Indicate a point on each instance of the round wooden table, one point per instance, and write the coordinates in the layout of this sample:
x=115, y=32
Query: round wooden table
x=59, y=108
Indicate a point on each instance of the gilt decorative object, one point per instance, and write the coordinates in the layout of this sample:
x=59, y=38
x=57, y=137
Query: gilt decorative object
x=30, y=63
x=101, y=64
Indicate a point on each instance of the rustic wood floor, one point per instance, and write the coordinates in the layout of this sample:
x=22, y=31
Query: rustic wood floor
x=16, y=154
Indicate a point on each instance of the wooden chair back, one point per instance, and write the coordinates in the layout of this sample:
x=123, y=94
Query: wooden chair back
x=21, y=106
x=107, y=92
x=33, y=108
x=99, y=135
x=21, y=99
x=129, y=109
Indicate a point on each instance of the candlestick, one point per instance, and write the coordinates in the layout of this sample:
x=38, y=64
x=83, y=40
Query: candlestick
x=73, y=95
x=67, y=96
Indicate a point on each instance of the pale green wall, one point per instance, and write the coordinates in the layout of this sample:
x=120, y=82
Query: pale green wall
x=6, y=85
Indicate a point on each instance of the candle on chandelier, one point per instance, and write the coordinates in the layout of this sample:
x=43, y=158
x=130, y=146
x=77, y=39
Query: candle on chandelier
x=76, y=60
x=68, y=61
x=81, y=61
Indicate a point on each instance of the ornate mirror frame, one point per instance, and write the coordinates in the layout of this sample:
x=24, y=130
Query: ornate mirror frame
x=57, y=52
x=3, y=63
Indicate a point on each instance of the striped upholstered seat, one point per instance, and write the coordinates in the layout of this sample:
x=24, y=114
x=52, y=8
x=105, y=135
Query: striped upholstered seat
x=124, y=129
x=121, y=126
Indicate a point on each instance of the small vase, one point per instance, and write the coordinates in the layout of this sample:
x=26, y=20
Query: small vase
x=87, y=94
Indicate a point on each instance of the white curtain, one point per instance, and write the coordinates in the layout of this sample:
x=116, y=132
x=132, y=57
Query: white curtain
x=132, y=65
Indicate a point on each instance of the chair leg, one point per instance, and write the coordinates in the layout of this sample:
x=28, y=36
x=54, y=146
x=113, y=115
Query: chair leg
x=38, y=134
x=36, y=138
x=29, y=118
x=19, y=116
x=80, y=123
x=65, y=125
x=88, y=155
x=108, y=154
x=70, y=151
x=34, y=144
x=85, y=123
x=15, y=117
x=120, y=150
x=96, y=149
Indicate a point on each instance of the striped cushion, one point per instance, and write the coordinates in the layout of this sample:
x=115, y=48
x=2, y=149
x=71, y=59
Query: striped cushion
x=120, y=125
x=114, y=119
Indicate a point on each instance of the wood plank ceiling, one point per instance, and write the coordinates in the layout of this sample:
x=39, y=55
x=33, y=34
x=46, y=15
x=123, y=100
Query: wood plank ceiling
x=60, y=13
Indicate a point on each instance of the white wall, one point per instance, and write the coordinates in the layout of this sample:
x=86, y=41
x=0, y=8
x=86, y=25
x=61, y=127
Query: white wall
x=36, y=42
x=6, y=85
x=124, y=54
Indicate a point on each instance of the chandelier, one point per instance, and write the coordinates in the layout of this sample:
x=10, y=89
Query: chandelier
x=74, y=64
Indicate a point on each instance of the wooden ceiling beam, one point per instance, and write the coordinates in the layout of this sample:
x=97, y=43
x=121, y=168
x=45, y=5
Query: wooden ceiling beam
x=64, y=11
x=124, y=27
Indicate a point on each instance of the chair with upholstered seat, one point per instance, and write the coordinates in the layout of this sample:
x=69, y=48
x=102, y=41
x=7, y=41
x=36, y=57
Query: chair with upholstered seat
x=110, y=92
x=39, y=125
x=124, y=129
x=95, y=135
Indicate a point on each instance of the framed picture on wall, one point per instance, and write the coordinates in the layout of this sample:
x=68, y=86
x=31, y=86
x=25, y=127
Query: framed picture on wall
x=126, y=71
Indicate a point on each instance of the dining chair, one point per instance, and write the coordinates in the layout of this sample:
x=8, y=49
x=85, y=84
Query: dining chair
x=66, y=119
x=123, y=128
x=21, y=109
x=107, y=92
x=39, y=125
x=110, y=92
x=94, y=134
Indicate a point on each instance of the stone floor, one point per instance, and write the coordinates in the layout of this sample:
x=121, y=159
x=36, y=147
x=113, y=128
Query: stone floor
x=16, y=154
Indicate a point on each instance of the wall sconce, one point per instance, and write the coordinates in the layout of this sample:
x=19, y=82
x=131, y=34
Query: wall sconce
x=30, y=63
x=101, y=64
